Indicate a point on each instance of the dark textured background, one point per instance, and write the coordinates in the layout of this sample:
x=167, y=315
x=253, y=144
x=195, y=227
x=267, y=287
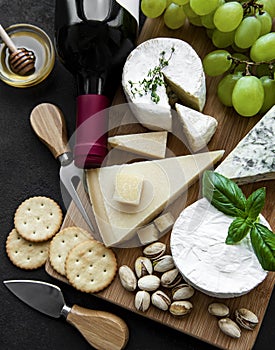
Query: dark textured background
x=28, y=169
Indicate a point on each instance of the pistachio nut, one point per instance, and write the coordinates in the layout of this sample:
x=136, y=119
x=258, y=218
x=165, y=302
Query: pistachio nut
x=149, y=283
x=163, y=263
x=142, y=300
x=161, y=300
x=143, y=266
x=229, y=327
x=218, y=310
x=180, y=308
x=246, y=318
x=127, y=278
x=171, y=278
x=182, y=291
x=154, y=250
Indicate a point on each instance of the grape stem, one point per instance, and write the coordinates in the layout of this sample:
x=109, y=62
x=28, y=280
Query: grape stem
x=249, y=65
x=252, y=6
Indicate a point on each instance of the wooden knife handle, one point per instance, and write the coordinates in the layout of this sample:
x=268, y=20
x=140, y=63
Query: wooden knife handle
x=103, y=330
x=49, y=125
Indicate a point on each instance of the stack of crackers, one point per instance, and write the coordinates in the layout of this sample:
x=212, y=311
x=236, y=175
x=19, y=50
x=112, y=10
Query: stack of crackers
x=87, y=264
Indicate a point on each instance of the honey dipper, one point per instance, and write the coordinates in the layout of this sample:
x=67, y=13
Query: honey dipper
x=21, y=60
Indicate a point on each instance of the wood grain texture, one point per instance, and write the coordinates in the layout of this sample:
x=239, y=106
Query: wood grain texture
x=231, y=129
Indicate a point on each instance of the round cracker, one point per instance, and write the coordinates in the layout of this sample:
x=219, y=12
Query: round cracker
x=62, y=243
x=25, y=254
x=90, y=266
x=38, y=219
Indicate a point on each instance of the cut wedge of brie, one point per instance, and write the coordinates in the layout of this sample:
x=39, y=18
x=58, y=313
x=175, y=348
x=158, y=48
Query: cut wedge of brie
x=163, y=181
x=205, y=261
x=183, y=73
x=253, y=159
x=197, y=127
x=150, y=144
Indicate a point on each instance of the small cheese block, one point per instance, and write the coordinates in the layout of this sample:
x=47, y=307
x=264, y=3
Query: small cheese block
x=197, y=127
x=128, y=188
x=184, y=74
x=204, y=259
x=164, y=223
x=164, y=180
x=150, y=144
x=148, y=234
x=253, y=159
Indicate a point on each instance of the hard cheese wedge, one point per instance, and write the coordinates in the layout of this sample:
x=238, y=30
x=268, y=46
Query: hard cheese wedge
x=149, y=144
x=253, y=159
x=163, y=181
x=197, y=127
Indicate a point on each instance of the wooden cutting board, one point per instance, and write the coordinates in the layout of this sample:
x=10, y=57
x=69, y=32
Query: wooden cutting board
x=231, y=129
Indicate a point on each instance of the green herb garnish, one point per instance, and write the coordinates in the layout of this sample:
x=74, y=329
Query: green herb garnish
x=153, y=80
x=225, y=195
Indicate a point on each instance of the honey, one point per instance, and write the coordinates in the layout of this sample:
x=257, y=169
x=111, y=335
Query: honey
x=33, y=39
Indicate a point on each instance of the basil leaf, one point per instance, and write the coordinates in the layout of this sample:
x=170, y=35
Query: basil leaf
x=263, y=242
x=238, y=229
x=255, y=203
x=224, y=194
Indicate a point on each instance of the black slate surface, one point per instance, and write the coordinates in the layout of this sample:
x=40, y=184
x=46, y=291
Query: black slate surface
x=27, y=169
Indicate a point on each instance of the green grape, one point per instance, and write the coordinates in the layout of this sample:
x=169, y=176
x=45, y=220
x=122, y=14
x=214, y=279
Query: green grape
x=247, y=32
x=269, y=6
x=266, y=22
x=225, y=88
x=188, y=11
x=202, y=8
x=174, y=16
x=207, y=21
x=209, y=33
x=180, y=2
x=153, y=8
x=237, y=48
x=228, y=16
x=239, y=67
x=222, y=39
x=196, y=21
x=248, y=96
x=269, y=93
x=216, y=62
x=264, y=48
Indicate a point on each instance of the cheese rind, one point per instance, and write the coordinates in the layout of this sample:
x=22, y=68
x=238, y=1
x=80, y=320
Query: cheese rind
x=184, y=73
x=205, y=261
x=197, y=127
x=150, y=144
x=164, y=180
x=253, y=159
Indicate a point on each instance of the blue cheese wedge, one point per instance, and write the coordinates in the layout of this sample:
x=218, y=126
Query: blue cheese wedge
x=149, y=144
x=197, y=127
x=253, y=159
x=205, y=261
x=163, y=181
x=184, y=74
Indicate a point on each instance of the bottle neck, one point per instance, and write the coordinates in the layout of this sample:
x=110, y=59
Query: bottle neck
x=88, y=83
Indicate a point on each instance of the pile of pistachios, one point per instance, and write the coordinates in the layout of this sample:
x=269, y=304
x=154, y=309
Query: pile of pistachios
x=155, y=280
x=244, y=318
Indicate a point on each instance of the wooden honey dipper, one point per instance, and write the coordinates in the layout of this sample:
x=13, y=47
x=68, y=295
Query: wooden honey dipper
x=21, y=60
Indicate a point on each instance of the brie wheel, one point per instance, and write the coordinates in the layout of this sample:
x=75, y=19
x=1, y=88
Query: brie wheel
x=206, y=261
x=184, y=74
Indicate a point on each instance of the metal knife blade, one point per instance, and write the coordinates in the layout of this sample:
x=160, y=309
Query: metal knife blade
x=103, y=330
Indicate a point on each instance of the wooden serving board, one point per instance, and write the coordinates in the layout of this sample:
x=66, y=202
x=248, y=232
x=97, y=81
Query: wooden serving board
x=231, y=129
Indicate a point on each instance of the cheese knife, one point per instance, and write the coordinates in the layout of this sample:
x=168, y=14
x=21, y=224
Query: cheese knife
x=103, y=330
x=48, y=122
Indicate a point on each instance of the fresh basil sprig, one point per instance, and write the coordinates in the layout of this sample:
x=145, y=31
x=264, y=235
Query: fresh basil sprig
x=225, y=195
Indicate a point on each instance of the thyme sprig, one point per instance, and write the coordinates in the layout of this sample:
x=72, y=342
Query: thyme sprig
x=153, y=80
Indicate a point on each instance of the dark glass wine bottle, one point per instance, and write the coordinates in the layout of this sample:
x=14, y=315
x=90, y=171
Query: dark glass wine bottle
x=93, y=39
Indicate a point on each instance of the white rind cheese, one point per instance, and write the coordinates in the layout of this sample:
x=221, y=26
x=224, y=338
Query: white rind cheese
x=205, y=261
x=253, y=159
x=163, y=181
x=184, y=74
x=197, y=127
x=149, y=144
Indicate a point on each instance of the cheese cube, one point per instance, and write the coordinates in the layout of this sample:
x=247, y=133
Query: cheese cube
x=128, y=188
x=148, y=234
x=164, y=223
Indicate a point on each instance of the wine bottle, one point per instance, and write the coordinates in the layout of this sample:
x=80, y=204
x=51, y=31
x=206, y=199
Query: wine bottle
x=93, y=39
